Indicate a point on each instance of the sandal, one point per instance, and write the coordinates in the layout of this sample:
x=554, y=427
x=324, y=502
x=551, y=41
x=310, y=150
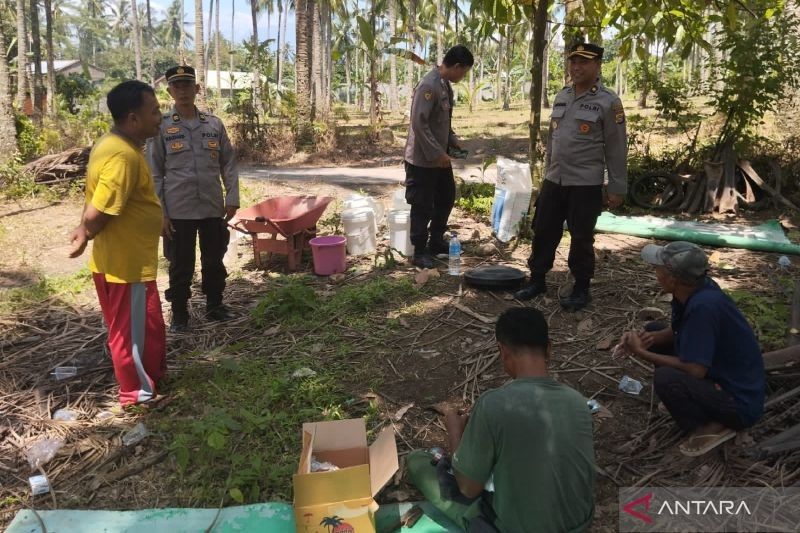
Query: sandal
x=711, y=442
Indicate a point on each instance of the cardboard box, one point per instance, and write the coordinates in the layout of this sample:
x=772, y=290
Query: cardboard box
x=342, y=501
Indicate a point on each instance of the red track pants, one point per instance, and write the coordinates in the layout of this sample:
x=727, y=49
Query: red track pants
x=136, y=336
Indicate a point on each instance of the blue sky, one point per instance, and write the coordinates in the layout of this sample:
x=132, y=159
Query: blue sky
x=242, y=21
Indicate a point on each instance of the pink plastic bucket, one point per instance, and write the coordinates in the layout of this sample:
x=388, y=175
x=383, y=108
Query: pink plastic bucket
x=329, y=254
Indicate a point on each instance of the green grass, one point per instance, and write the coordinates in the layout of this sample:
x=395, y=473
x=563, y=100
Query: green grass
x=234, y=424
x=64, y=286
x=768, y=315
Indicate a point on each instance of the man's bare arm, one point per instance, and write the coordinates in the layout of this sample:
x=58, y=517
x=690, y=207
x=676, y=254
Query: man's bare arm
x=92, y=222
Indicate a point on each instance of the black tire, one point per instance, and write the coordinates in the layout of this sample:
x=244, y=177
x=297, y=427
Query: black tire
x=659, y=191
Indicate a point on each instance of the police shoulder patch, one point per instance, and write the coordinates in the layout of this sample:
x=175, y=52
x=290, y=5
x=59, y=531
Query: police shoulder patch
x=619, y=112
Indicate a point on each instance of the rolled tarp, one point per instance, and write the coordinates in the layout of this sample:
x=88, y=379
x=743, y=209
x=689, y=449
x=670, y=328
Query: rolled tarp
x=766, y=237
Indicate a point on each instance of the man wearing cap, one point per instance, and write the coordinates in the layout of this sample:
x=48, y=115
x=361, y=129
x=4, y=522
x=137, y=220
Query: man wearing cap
x=709, y=368
x=188, y=157
x=587, y=135
x=430, y=186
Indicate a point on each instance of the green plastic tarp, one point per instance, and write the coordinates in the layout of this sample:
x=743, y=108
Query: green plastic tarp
x=766, y=237
x=273, y=517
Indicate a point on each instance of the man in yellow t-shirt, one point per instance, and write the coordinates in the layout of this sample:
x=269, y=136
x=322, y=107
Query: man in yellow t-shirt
x=123, y=216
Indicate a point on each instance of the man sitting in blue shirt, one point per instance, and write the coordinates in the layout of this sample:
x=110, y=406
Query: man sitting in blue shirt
x=713, y=385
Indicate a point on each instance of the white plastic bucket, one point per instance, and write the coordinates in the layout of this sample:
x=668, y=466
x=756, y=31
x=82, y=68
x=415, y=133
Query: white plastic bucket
x=357, y=201
x=399, y=200
x=399, y=221
x=359, y=227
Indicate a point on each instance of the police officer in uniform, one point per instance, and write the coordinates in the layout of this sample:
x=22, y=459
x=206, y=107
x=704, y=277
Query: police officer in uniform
x=430, y=187
x=187, y=158
x=587, y=135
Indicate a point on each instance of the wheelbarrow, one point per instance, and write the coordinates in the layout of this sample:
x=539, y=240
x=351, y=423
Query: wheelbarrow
x=281, y=225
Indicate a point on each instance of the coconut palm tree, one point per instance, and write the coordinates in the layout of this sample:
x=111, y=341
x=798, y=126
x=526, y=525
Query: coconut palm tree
x=22, y=55
x=48, y=43
x=137, y=45
x=8, y=134
x=302, y=65
x=199, y=53
x=254, y=9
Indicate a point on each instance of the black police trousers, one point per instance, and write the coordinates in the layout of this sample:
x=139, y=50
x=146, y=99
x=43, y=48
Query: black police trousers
x=579, y=206
x=180, y=251
x=692, y=402
x=431, y=192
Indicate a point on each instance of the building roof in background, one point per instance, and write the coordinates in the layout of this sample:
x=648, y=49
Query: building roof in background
x=241, y=80
x=61, y=64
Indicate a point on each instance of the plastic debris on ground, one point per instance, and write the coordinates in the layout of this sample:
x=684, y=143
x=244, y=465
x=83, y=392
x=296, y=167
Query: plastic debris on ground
x=594, y=406
x=304, y=372
x=65, y=415
x=39, y=485
x=135, y=435
x=64, y=372
x=630, y=385
x=44, y=450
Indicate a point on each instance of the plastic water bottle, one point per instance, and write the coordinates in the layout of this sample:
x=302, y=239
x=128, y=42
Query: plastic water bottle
x=454, y=257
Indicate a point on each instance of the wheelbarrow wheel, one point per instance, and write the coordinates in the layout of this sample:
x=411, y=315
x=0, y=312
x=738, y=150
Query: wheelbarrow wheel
x=658, y=191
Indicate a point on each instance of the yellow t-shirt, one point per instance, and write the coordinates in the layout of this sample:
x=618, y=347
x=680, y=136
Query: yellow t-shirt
x=119, y=183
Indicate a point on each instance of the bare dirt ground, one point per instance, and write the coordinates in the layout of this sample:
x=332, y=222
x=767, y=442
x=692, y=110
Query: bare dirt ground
x=441, y=352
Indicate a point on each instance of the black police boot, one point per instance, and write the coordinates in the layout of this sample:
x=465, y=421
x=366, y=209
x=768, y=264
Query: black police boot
x=217, y=312
x=422, y=258
x=180, y=319
x=531, y=290
x=439, y=247
x=579, y=298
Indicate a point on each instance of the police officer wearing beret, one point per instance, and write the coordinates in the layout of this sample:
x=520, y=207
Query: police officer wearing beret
x=187, y=158
x=430, y=186
x=587, y=135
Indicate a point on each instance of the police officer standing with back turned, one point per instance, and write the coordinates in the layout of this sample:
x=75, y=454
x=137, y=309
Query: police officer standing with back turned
x=430, y=186
x=587, y=135
x=187, y=158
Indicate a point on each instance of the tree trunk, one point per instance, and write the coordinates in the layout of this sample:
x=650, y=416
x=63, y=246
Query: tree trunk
x=151, y=63
x=8, y=134
x=499, y=73
x=279, y=53
x=22, y=56
x=303, y=72
x=439, y=31
x=373, y=76
x=217, y=50
x=207, y=45
x=181, y=48
x=412, y=40
x=199, y=53
x=285, y=51
x=347, y=80
x=48, y=43
x=36, y=48
x=230, y=51
x=545, y=65
x=645, y=85
x=136, y=38
x=393, y=104
x=317, y=97
x=539, y=16
x=507, y=62
x=256, y=61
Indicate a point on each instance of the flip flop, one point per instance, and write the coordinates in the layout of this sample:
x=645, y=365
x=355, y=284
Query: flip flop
x=714, y=440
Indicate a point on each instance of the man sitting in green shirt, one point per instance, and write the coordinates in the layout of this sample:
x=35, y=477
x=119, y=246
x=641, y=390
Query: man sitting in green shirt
x=532, y=437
